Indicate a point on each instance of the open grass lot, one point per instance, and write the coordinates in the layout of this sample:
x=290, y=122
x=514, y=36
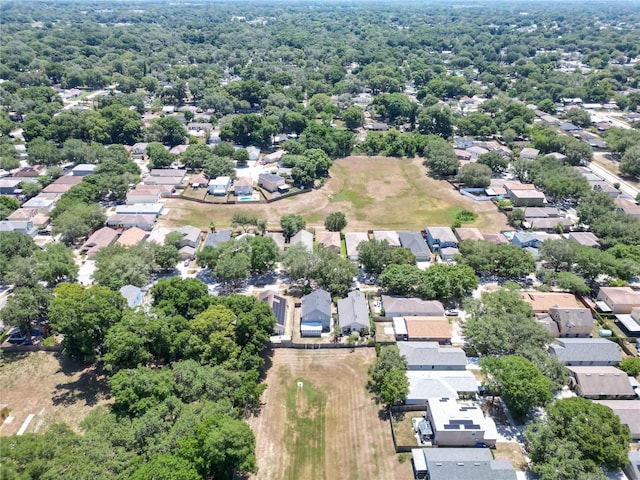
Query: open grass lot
x=373, y=192
x=512, y=452
x=50, y=386
x=327, y=429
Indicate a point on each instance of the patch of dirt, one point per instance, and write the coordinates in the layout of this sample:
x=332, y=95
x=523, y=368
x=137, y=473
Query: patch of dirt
x=50, y=386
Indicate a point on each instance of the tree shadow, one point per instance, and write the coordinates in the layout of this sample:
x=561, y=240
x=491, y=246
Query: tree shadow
x=267, y=356
x=90, y=387
x=383, y=414
x=8, y=358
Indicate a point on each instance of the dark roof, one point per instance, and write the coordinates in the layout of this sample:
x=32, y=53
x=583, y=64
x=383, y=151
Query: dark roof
x=215, y=239
x=414, y=242
x=277, y=303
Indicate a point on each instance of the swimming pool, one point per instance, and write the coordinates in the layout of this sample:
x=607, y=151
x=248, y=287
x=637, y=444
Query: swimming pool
x=249, y=198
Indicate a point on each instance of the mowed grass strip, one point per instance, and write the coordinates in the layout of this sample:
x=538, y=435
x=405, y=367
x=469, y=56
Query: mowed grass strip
x=306, y=431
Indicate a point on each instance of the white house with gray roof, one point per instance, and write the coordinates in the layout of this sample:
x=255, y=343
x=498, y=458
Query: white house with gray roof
x=411, y=307
x=426, y=384
x=414, y=242
x=303, y=238
x=315, y=313
x=133, y=295
x=352, y=240
x=459, y=425
x=431, y=356
x=353, y=312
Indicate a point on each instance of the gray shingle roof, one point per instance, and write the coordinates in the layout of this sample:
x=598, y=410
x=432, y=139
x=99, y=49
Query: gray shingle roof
x=318, y=300
x=414, y=242
x=353, y=311
x=215, y=239
x=465, y=464
x=597, y=350
x=427, y=354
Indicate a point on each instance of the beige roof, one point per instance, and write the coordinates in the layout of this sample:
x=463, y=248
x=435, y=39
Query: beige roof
x=57, y=188
x=131, y=237
x=597, y=381
x=100, y=239
x=468, y=233
x=329, y=239
x=428, y=327
x=68, y=180
x=543, y=301
x=527, y=194
x=628, y=411
x=243, y=182
x=519, y=186
x=622, y=295
x=497, y=238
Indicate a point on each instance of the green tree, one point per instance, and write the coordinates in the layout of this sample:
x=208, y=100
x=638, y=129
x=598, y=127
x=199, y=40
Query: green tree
x=26, y=307
x=56, y=264
x=8, y=205
x=519, y=382
x=264, y=254
x=580, y=117
x=447, y=282
x=244, y=219
x=168, y=130
x=474, y=175
x=335, y=222
x=630, y=163
x=333, y=272
x=196, y=156
x=84, y=316
x=496, y=162
x=117, y=266
x=436, y=120
x=180, y=296
x=9, y=157
x=241, y=156
x=440, y=158
x=387, y=380
x=166, y=466
x=159, y=157
x=219, y=167
x=571, y=282
x=299, y=263
x=77, y=221
x=353, y=117
x=292, y=224
x=630, y=366
x=401, y=279
x=592, y=431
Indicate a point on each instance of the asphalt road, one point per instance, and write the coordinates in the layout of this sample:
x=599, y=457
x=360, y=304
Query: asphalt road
x=611, y=178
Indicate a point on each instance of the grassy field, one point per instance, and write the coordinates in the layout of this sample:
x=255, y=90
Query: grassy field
x=49, y=386
x=373, y=192
x=329, y=428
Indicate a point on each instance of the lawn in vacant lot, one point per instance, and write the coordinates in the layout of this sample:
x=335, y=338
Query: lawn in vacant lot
x=373, y=192
x=49, y=386
x=328, y=428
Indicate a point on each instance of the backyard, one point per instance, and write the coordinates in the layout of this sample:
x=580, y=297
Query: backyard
x=50, y=387
x=318, y=421
x=373, y=192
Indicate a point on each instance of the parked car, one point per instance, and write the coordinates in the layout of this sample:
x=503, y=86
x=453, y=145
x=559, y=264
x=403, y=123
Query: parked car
x=16, y=336
x=451, y=313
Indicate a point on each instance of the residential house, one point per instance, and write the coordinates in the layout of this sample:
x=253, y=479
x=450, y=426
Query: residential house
x=140, y=208
x=441, y=237
x=158, y=235
x=468, y=233
x=273, y=157
x=132, y=237
x=145, y=194
x=459, y=424
x=272, y=182
x=10, y=186
x=138, y=151
x=377, y=126
x=601, y=383
x=390, y=236
x=20, y=226
x=68, y=180
x=426, y=384
x=415, y=242
x=58, y=188
x=528, y=153
x=353, y=313
x=39, y=219
x=254, y=153
x=627, y=206
x=352, y=240
x=83, y=169
x=549, y=224
x=279, y=306
x=219, y=186
x=495, y=238
x=178, y=149
x=32, y=171
x=527, y=239
x=462, y=155
x=528, y=198
x=541, y=212
x=214, y=239
x=573, y=322
x=329, y=240
x=475, y=152
x=101, y=238
x=463, y=142
x=277, y=237
x=629, y=413
x=460, y=464
x=617, y=299
x=432, y=356
x=133, y=295
x=568, y=127
x=303, y=238
x=548, y=323
x=630, y=322
x=586, y=351
x=448, y=253
x=422, y=329
x=513, y=186
x=43, y=202
x=145, y=222
x=243, y=187
x=542, y=302
x=315, y=313
x=411, y=307
x=586, y=239
x=605, y=187
x=198, y=181
x=191, y=236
